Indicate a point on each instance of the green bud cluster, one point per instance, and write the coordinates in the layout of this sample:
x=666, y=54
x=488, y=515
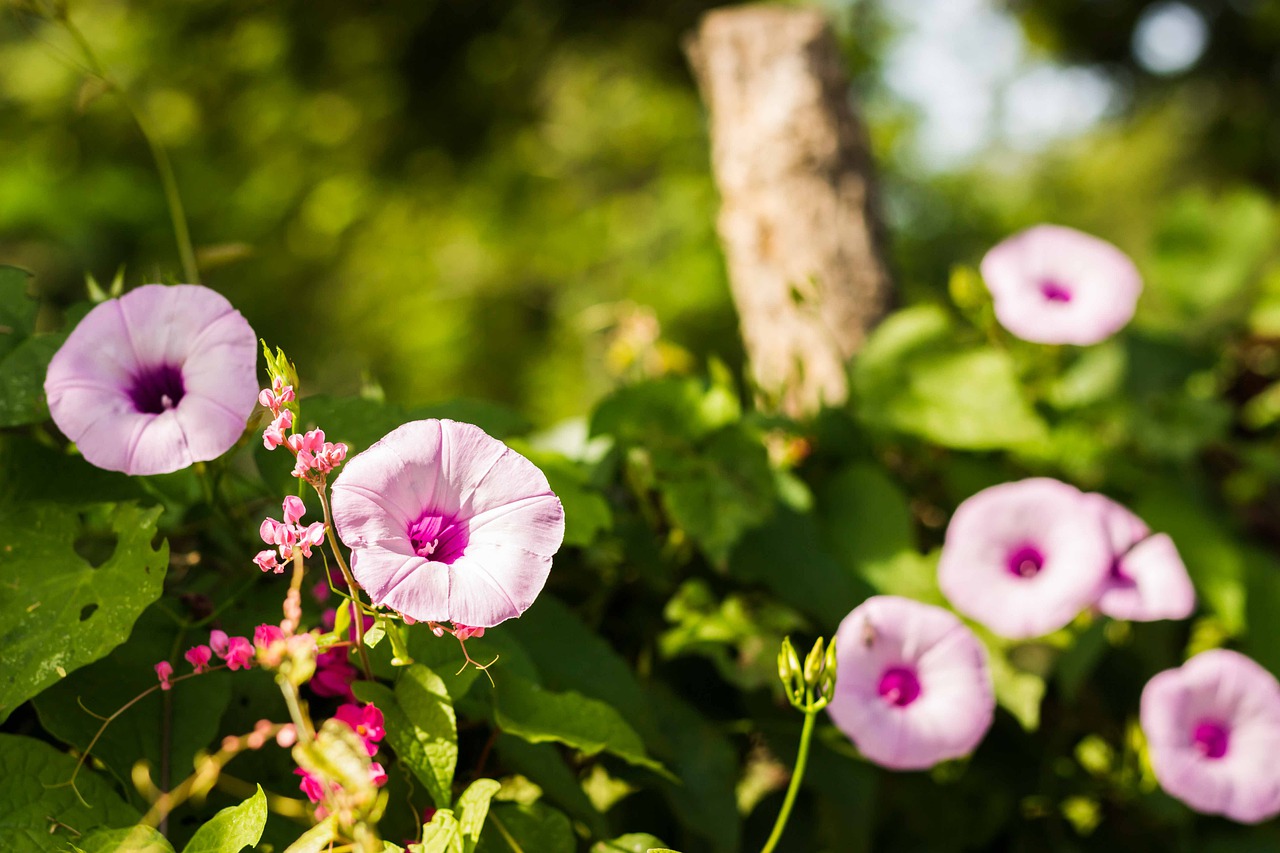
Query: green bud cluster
x=811, y=685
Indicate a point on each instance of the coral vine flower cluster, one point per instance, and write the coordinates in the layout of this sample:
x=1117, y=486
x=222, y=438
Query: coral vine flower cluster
x=287, y=536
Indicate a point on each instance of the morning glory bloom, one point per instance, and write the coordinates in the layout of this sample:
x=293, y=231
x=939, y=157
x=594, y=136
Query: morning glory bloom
x=447, y=524
x=1213, y=734
x=912, y=685
x=1056, y=285
x=1148, y=579
x=156, y=380
x=1024, y=558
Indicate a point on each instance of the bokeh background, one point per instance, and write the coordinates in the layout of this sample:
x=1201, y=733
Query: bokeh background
x=512, y=201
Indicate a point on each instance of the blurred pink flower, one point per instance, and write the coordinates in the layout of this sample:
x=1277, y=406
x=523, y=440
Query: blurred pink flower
x=164, y=671
x=446, y=523
x=1056, y=285
x=1148, y=579
x=1213, y=733
x=199, y=657
x=364, y=720
x=155, y=380
x=1024, y=558
x=334, y=675
x=912, y=684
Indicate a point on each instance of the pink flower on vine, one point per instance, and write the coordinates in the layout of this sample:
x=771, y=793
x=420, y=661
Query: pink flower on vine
x=287, y=536
x=1148, y=579
x=156, y=380
x=366, y=721
x=446, y=523
x=334, y=675
x=1213, y=732
x=1024, y=558
x=164, y=672
x=199, y=657
x=913, y=686
x=1056, y=285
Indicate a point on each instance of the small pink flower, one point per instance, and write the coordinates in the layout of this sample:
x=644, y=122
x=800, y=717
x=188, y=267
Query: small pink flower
x=377, y=775
x=365, y=721
x=239, y=653
x=219, y=643
x=1213, y=734
x=1025, y=558
x=446, y=523
x=1056, y=285
x=278, y=430
x=463, y=632
x=912, y=684
x=287, y=736
x=310, y=785
x=199, y=657
x=265, y=635
x=164, y=671
x=293, y=509
x=267, y=561
x=156, y=380
x=1148, y=580
x=310, y=536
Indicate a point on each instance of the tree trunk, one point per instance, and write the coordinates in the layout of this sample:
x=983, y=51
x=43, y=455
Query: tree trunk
x=796, y=221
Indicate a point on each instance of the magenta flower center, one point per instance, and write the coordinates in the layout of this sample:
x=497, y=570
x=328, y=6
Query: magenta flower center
x=899, y=686
x=441, y=538
x=1025, y=561
x=157, y=389
x=1054, y=291
x=1211, y=738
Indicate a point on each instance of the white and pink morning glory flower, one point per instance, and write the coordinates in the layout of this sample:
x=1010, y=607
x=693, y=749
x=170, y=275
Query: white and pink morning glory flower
x=1213, y=734
x=913, y=687
x=1147, y=580
x=156, y=380
x=1024, y=558
x=447, y=524
x=1056, y=285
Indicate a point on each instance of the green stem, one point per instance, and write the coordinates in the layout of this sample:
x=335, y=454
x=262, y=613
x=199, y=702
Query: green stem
x=169, y=182
x=802, y=758
x=358, y=616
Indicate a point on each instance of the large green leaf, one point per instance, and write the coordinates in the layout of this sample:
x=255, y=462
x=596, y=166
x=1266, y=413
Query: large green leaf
x=472, y=808
x=527, y=710
x=60, y=612
x=34, y=471
x=71, y=709
x=421, y=727
x=232, y=829
x=24, y=356
x=17, y=310
x=534, y=828
x=912, y=378
x=39, y=811
x=544, y=764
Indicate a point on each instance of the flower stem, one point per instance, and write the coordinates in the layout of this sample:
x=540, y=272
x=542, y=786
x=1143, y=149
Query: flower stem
x=358, y=616
x=802, y=758
x=169, y=182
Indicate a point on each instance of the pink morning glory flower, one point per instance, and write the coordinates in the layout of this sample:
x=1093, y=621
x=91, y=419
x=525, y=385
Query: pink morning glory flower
x=446, y=523
x=1213, y=732
x=912, y=683
x=1056, y=285
x=155, y=380
x=1148, y=579
x=1025, y=558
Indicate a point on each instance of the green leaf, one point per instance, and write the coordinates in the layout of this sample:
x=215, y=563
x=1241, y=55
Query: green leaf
x=60, y=612
x=17, y=310
x=544, y=764
x=1018, y=690
x=718, y=492
x=317, y=839
x=232, y=829
x=670, y=407
x=632, y=842
x=586, y=512
x=196, y=705
x=39, y=811
x=912, y=378
x=22, y=373
x=527, y=710
x=535, y=828
x=441, y=834
x=421, y=727
x=472, y=808
x=131, y=839
x=34, y=471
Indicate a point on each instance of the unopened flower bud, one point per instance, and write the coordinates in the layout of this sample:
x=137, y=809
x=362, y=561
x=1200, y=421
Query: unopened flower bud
x=813, y=665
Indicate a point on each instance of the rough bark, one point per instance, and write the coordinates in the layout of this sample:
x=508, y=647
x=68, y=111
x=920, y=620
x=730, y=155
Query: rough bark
x=796, y=221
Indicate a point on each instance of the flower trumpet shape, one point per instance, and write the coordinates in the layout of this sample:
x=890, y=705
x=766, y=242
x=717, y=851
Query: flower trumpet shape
x=446, y=523
x=912, y=683
x=1056, y=285
x=1024, y=558
x=1213, y=732
x=155, y=380
x=1148, y=579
